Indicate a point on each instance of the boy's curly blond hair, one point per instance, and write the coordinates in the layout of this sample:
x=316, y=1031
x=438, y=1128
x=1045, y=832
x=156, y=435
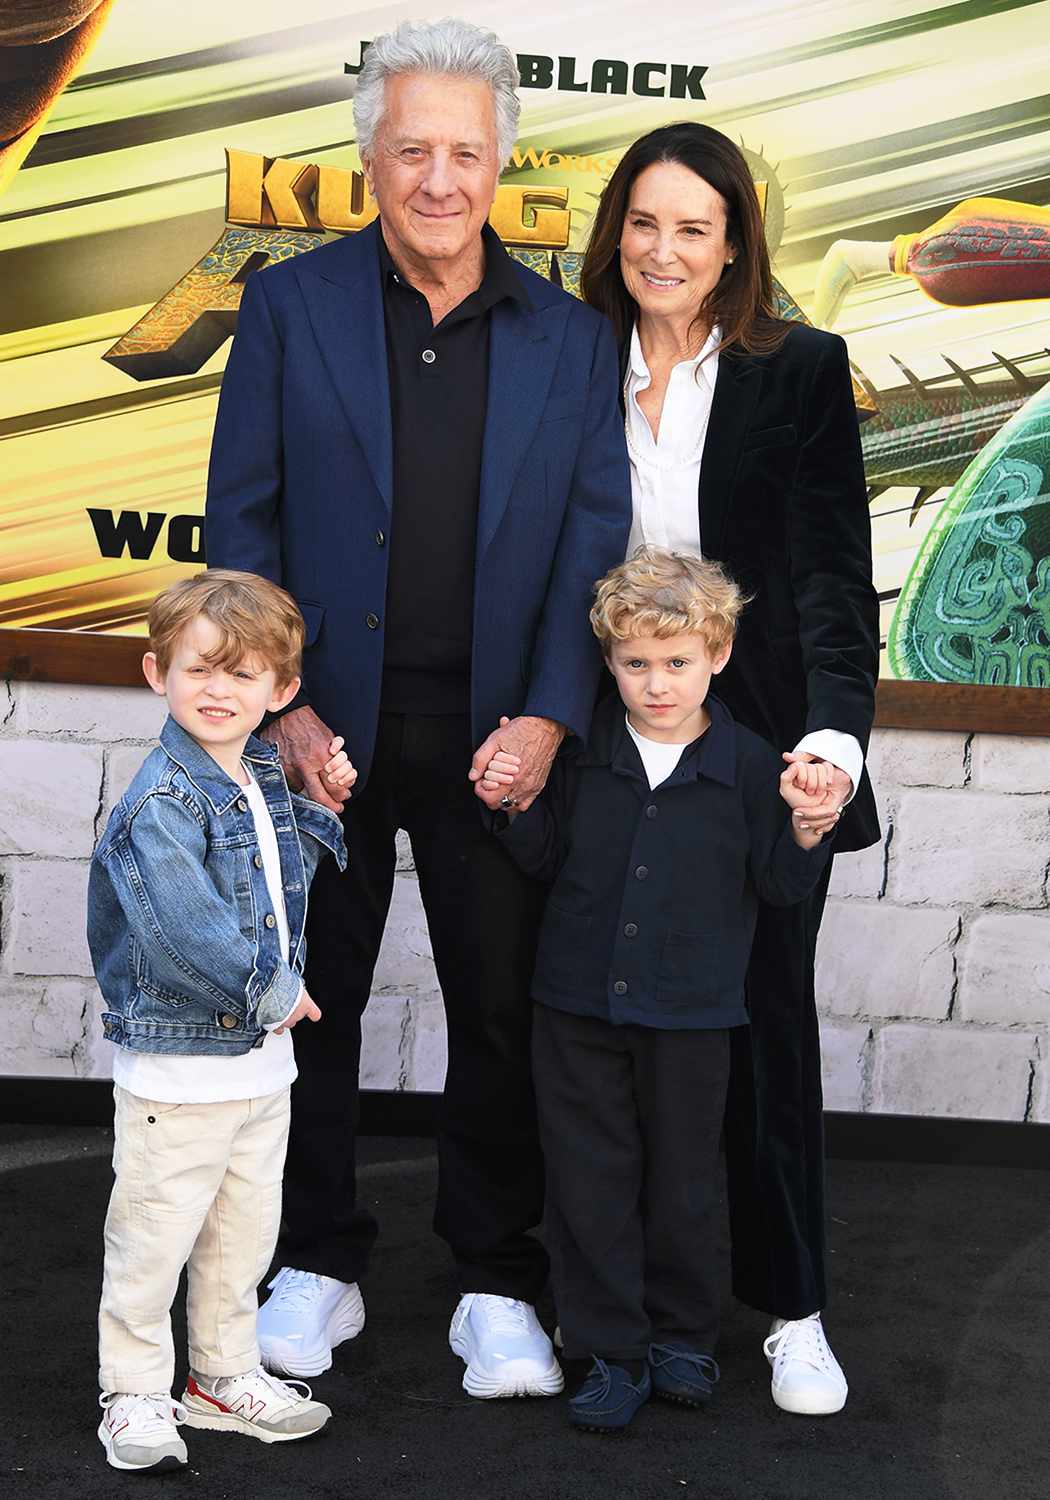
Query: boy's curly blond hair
x=254, y=617
x=661, y=593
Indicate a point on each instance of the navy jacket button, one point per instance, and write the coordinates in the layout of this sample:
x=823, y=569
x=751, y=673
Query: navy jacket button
x=380, y=539
x=651, y=810
x=620, y=987
x=631, y=930
x=372, y=621
x=641, y=872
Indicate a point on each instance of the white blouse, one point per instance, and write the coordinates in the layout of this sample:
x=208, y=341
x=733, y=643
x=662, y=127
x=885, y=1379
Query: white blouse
x=665, y=487
x=665, y=471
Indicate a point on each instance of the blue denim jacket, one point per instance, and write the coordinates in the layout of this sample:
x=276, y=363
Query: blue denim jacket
x=182, y=936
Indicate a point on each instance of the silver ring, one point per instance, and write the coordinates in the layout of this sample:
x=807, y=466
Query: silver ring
x=506, y=801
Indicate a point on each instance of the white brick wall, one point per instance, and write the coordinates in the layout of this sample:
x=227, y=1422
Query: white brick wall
x=934, y=964
x=933, y=971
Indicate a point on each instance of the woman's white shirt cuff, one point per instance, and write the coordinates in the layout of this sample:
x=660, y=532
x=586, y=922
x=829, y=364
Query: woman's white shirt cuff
x=841, y=749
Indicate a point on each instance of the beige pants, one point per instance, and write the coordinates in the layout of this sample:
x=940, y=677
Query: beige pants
x=197, y=1185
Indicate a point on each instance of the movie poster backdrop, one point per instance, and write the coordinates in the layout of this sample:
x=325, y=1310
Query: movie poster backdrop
x=153, y=157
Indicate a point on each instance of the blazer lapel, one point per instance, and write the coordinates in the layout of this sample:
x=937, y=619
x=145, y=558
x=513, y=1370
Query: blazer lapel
x=522, y=357
x=737, y=385
x=344, y=300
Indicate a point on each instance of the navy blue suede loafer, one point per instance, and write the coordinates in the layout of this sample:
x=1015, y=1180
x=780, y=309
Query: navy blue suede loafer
x=608, y=1399
x=681, y=1374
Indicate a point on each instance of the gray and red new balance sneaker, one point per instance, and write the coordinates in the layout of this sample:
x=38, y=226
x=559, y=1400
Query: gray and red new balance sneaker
x=139, y=1432
x=257, y=1404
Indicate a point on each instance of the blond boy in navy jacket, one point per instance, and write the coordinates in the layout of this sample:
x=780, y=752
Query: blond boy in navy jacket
x=657, y=842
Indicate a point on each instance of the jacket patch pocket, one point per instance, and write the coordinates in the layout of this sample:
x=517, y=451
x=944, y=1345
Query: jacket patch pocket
x=771, y=437
x=691, y=968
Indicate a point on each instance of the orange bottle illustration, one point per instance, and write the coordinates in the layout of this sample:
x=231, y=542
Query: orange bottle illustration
x=983, y=250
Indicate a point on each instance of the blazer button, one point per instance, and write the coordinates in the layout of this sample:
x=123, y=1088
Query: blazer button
x=631, y=930
x=229, y=1022
x=372, y=621
x=257, y=861
x=242, y=806
x=651, y=810
x=271, y=920
x=641, y=872
x=620, y=987
x=380, y=538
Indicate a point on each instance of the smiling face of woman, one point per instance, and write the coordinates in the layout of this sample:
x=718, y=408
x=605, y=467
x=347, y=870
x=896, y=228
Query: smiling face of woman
x=673, y=248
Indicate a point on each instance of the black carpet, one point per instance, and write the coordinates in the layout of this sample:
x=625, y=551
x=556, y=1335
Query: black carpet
x=940, y=1317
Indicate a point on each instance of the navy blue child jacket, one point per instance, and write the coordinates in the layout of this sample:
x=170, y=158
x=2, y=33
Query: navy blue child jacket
x=654, y=893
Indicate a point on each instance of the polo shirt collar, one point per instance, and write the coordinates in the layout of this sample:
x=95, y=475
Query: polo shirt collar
x=499, y=281
x=712, y=755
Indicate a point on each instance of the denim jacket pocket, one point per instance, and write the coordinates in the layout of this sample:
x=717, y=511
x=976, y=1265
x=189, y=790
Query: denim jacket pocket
x=148, y=984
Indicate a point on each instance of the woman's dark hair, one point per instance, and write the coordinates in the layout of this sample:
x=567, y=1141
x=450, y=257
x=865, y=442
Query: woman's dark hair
x=742, y=303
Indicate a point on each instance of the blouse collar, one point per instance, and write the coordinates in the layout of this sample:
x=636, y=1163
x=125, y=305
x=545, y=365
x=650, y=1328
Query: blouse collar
x=701, y=361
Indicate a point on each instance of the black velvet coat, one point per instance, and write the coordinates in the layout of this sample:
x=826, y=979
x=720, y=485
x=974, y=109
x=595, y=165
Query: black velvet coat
x=783, y=504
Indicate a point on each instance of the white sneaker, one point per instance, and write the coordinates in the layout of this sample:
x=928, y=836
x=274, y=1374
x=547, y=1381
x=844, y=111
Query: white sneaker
x=257, y=1404
x=139, y=1432
x=506, y=1351
x=807, y=1378
x=305, y=1319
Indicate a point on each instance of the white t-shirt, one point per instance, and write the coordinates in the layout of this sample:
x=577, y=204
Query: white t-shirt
x=658, y=758
x=213, y=1080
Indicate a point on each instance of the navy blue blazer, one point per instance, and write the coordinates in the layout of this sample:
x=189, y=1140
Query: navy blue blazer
x=299, y=486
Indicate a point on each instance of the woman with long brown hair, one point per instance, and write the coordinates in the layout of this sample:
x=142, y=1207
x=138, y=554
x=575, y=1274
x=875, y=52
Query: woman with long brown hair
x=744, y=447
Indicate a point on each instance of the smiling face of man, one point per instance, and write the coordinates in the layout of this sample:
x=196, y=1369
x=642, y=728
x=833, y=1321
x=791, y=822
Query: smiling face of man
x=433, y=168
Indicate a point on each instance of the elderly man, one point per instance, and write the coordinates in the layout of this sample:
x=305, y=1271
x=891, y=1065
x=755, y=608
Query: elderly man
x=421, y=440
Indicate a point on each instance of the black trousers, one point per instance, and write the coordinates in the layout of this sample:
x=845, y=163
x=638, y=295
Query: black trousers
x=483, y=916
x=774, y=1120
x=630, y=1119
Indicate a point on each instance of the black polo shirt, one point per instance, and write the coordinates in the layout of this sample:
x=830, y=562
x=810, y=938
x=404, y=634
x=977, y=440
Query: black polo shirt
x=654, y=893
x=438, y=403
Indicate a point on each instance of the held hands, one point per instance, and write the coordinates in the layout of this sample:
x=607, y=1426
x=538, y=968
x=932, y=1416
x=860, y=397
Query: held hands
x=306, y=1010
x=313, y=758
x=338, y=772
x=814, y=790
x=515, y=761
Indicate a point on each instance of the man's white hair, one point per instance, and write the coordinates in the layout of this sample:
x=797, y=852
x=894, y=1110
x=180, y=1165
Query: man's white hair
x=449, y=46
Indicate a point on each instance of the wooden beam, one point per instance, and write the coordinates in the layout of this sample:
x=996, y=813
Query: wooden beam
x=115, y=661
x=948, y=705
x=72, y=656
